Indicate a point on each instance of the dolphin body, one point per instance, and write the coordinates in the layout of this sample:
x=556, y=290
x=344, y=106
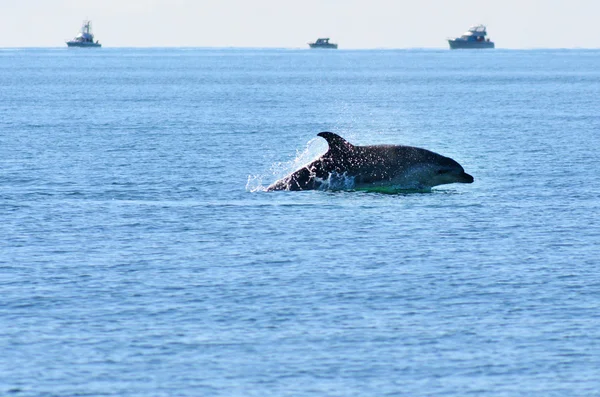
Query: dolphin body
x=386, y=168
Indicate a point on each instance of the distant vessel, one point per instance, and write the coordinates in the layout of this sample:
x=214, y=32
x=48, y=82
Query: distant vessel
x=85, y=38
x=323, y=43
x=472, y=38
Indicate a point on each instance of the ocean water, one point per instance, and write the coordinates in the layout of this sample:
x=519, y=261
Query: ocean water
x=141, y=256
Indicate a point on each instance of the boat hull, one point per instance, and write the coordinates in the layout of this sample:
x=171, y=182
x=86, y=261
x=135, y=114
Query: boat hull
x=83, y=45
x=468, y=45
x=324, y=46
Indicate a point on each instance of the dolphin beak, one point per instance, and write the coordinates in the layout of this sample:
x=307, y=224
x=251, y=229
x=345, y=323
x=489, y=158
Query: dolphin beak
x=466, y=178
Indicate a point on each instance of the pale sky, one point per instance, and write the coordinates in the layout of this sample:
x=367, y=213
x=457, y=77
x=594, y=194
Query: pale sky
x=291, y=24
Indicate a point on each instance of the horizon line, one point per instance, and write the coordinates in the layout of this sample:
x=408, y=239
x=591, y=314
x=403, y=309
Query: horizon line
x=296, y=48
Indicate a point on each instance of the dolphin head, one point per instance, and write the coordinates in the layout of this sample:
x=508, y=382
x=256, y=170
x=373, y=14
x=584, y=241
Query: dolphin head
x=444, y=170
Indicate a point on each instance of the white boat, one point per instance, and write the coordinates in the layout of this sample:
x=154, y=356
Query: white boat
x=474, y=38
x=85, y=38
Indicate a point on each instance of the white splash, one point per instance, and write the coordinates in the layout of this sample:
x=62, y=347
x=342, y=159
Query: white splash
x=337, y=181
x=312, y=150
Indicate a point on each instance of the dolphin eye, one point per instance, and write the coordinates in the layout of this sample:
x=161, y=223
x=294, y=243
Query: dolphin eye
x=440, y=172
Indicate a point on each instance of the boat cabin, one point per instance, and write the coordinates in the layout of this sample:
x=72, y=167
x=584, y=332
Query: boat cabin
x=475, y=33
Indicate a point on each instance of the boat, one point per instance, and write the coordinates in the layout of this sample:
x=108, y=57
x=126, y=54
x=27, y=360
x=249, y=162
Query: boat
x=85, y=38
x=323, y=43
x=473, y=38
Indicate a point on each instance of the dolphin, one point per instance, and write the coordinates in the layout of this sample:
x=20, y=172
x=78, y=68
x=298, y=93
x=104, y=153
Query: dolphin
x=386, y=168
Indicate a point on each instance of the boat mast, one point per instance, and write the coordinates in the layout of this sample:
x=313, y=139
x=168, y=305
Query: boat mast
x=86, y=27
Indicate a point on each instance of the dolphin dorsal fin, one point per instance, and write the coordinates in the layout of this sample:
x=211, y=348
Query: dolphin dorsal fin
x=337, y=144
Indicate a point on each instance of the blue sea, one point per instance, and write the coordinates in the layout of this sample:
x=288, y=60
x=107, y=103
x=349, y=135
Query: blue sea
x=140, y=254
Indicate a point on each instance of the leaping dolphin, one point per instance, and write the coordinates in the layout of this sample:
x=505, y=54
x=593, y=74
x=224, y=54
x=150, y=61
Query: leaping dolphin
x=379, y=167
